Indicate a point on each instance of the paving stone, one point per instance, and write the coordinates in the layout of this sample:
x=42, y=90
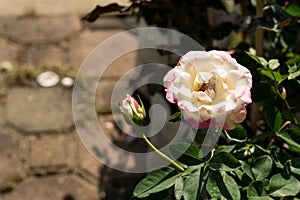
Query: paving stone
x=11, y=156
x=51, y=151
x=2, y=114
x=63, y=187
x=32, y=30
x=47, y=7
x=103, y=96
x=88, y=165
x=117, y=184
x=111, y=21
x=83, y=45
x=46, y=56
x=9, y=51
x=40, y=109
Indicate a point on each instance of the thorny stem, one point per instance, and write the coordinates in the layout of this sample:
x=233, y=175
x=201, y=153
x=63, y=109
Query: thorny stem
x=176, y=165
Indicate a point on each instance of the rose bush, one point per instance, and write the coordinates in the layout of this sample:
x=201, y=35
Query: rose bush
x=210, y=88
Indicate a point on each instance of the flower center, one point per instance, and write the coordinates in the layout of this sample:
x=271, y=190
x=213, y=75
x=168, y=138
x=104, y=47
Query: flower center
x=201, y=87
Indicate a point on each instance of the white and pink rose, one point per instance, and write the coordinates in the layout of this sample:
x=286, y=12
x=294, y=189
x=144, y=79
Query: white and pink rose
x=210, y=88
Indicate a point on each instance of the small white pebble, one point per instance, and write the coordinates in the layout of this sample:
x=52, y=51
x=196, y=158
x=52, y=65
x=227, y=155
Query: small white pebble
x=109, y=125
x=67, y=81
x=47, y=79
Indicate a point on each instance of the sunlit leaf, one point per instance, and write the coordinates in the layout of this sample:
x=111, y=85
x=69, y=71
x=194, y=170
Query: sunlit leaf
x=273, y=64
x=194, y=183
x=221, y=185
x=291, y=136
x=262, y=167
x=281, y=186
x=260, y=198
x=152, y=180
x=178, y=188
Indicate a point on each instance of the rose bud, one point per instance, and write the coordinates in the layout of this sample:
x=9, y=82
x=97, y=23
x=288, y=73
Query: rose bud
x=132, y=110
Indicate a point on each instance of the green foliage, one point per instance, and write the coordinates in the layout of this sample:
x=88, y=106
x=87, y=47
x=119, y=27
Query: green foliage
x=151, y=181
x=186, y=153
x=255, y=162
x=238, y=134
x=282, y=186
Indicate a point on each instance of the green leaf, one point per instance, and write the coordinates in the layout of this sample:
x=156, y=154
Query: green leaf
x=294, y=70
x=273, y=64
x=260, y=198
x=238, y=134
x=225, y=148
x=260, y=91
x=262, y=137
x=292, y=137
x=247, y=170
x=159, y=195
x=275, y=76
x=277, y=157
x=273, y=117
x=194, y=183
x=178, y=188
x=190, y=169
x=263, y=61
x=262, y=167
x=293, y=165
x=186, y=153
x=212, y=185
x=175, y=117
x=293, y=75
x=293, y=9
x=152, y=179
x=221, y=185
x=166, y=184
x=256, y=188
x=224, y=161
x=281, y=186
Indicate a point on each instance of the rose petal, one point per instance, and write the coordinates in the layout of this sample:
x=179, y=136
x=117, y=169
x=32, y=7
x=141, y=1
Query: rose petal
x=237, y=82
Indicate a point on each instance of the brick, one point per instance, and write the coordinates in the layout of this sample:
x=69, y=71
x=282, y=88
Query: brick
x=47, y=7
x=9, y=51
x=89, y=166
x=2, y=114
x=51, y=151
x=83, y=45
x=103, y=96
x=11, y=156
x=37, y=110
x=35, y=30
x=46, y=56
x=53, y=188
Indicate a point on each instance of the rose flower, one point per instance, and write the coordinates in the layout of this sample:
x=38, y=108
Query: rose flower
x=210, y=88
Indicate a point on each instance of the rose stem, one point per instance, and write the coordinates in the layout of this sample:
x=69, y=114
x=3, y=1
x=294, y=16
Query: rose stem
x=176, y=165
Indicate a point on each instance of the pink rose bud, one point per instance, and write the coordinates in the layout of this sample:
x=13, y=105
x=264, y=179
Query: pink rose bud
x=210, y=88
x=132, y=110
